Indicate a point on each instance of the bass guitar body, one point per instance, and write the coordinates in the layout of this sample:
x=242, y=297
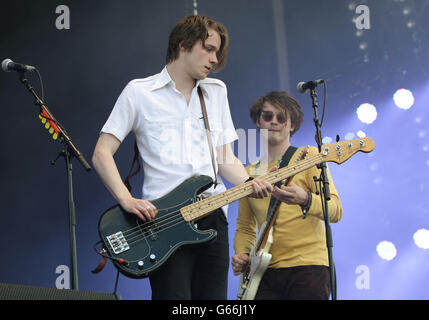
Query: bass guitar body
x=138, y=248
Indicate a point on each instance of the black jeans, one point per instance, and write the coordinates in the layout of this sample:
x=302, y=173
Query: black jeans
x=295, y=283
x=196, y=272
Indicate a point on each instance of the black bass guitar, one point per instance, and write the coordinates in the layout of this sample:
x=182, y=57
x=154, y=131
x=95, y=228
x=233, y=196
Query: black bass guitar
x=138, y=248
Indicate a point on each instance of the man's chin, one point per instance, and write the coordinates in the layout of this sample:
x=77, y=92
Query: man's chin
x=199, y=77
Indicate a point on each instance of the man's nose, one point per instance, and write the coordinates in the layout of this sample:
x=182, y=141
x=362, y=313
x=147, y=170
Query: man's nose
x=213, y=58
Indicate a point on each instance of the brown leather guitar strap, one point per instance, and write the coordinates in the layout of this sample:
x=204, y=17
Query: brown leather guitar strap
x=209, y=137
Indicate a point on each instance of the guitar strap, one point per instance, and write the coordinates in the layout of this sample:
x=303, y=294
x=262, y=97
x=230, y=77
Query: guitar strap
x=209, y=137
x=273, y=201
x=283, y=163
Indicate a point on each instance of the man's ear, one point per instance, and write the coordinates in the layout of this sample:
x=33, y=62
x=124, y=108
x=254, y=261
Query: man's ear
x=181, y=47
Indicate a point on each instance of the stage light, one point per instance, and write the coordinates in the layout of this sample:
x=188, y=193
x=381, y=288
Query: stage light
x=363, y=45
x=386, y=250
x=403, y=99
x=361, y=134
x=352, y=6
x=367, y=113
x=349, y=136
x=406, y=11
x=359, y=33
x=326, y=140
x=421, y=238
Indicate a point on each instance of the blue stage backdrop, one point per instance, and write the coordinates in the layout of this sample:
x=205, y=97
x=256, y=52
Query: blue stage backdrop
x=87, y=51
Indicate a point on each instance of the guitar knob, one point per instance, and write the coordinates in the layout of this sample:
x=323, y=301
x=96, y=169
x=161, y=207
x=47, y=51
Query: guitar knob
x=152, y=258
x=140, y=264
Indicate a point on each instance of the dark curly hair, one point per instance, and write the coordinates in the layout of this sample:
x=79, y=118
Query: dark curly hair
x=285, y=102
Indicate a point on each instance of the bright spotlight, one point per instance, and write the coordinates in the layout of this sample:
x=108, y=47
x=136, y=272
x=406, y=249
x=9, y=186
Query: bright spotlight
x=411, y=24
x=363, y=45
x=326, y=140
x=349, y=136
x=361, y=134
x=367, y=113
x=403, y=98
x=386, y=250
x=421, y=238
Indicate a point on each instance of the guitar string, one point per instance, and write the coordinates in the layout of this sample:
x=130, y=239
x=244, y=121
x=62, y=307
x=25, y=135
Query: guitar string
x=156, y=220
x=144, y=227
x=317, y=159
x=143, y=236
x=163, y=221
x=141, y=232
x=151, y=230
x=240, y=189
x=238, y=192
x=204, y=206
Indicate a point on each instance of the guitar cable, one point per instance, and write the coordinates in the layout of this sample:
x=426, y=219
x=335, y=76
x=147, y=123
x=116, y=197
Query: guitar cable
x=104, y=250
x=106, y=257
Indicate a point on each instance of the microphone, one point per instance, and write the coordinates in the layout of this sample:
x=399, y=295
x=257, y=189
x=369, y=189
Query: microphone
x=304, y=86
x=8, y=65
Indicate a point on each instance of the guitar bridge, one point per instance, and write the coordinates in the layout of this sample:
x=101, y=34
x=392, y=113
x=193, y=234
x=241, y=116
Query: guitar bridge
x=118, y=242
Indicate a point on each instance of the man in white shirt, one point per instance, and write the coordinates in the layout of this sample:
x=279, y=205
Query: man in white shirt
x=164, y=113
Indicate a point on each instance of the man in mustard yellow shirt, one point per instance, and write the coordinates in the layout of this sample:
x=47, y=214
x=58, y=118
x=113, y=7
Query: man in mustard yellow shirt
x=299, y=267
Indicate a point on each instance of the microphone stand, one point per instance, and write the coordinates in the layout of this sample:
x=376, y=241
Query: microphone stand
x=68, y=153
x=326, y=195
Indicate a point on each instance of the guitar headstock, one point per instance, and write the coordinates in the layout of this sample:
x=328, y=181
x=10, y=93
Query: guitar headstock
x=341, y=151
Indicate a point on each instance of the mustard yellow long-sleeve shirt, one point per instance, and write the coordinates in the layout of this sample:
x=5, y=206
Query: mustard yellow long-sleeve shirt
x=296, y=241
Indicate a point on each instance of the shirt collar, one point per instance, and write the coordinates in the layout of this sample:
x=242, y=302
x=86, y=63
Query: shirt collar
x=163, y=79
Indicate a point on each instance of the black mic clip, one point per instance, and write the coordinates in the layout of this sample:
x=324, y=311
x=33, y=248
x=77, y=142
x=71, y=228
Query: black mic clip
x=309, y=85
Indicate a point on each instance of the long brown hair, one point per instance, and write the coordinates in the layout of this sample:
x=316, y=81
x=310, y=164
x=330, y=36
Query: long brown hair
x=191, y=29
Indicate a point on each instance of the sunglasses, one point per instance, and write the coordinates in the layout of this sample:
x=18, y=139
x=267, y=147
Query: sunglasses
x=267, y=116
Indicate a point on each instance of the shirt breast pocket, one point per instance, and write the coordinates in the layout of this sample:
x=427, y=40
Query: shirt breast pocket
x=215, y=131
x=163, y=140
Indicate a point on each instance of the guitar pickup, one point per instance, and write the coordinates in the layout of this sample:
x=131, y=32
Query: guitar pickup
x=118, y=242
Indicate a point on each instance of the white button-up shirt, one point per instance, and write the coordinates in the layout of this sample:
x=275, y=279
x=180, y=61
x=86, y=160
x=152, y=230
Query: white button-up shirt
x=170, y=133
